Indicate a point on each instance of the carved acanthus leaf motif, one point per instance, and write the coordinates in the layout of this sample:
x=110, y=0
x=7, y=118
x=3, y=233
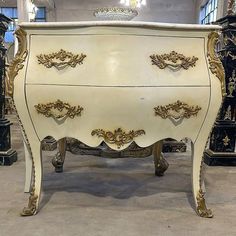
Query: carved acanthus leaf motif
x=216, y=66
x=59, y=110
x=61, y=59
x=177, y=60
x=17, y=63
x=118, y=137
x=177, y=110
x=201, y=206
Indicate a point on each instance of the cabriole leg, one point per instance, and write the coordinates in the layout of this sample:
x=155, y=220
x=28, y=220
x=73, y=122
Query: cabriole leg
x=198, y=192
x=28, y=169
x=35, y=191
x=161, y=165
x=58, y=160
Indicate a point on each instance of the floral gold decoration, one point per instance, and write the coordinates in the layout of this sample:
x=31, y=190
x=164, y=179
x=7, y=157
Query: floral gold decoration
x=59, y=110
x=173, y=60
x=216, y=66
x=201, y=206
x=176, y=111
x=226, y=140
x=17, y=63
x=61, y=59
x=118, y=137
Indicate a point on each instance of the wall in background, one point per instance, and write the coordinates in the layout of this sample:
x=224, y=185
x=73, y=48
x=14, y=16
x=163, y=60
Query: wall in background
x=176, y=11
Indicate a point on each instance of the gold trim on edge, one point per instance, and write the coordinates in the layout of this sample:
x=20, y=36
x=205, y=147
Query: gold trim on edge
x=31, y=209
x=118, y=137
x=163, y=61
x=49, y=109
x=176, y=111
x=201, y=206
x=17, y=63
x=216, y=66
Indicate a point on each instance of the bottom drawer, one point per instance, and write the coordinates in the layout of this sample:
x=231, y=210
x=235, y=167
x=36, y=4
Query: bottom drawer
x=94, y=114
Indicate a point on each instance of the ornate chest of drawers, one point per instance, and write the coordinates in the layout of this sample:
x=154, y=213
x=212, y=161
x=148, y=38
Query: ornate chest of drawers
x=117, y=82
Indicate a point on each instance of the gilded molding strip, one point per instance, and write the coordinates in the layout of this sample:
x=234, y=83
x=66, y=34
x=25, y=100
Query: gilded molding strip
x=17, y=63
x=59, y=110
x=118, y=137
x=216, y=66
x=178, y=61
x=201, y=206
x=176, y=111
x=61, y=59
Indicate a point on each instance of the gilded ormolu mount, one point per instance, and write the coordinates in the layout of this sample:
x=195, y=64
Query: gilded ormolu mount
x=176, y=111
x=59, y=110
x=118, y=137
x=17, y=63
x=216, y=66
x=61, y=59
x=173, y=61
x=201, y=206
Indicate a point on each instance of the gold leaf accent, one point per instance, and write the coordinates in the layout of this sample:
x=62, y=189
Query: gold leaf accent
x=178, y=61
x=216, y=66
x=65, y=110
x=61, y=59
x=201, y=206
x=226, y=140
x=31, y=208
x=17, y=63
x=177, y=110
x=118, y=137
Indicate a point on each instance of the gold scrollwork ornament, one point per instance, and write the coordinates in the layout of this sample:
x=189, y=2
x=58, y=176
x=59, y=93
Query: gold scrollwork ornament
x=173, y=60
x=17, y=63
x=176, y=111
x=61, y=59
x=59, y=110
x=201, y=206
x=118, y=137
x=216, y=66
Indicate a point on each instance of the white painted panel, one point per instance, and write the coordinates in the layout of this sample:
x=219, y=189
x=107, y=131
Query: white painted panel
x=114, y=60
x=109, y=108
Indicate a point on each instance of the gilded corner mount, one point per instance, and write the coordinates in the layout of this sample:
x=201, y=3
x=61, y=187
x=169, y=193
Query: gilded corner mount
x=118, y=137
x=216, y=66
x=173, y=60
x=17, y=63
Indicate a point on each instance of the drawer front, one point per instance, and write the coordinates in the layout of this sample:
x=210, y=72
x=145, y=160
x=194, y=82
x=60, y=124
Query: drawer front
x=117, y=60
x=91, y=114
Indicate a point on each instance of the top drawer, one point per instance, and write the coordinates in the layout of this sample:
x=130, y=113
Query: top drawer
x=118, y=60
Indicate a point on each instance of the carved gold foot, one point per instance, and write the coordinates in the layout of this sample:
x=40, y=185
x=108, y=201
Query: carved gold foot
x=31, y=209
x=161, y=167
x=161, y=164
x=201, y=206
x=58, y=162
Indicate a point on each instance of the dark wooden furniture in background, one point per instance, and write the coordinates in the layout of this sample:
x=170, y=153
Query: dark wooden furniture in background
x=7, y=155
x=221, y=149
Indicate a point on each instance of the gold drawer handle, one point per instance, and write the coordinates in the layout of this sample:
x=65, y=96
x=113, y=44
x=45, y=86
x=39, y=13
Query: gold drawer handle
x=61, y=59
x=177, y=111
x=118, y=137
x=59, y=110
x=173, y=60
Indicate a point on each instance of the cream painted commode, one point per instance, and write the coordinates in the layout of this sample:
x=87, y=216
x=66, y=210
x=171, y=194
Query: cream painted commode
x=118, y=82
